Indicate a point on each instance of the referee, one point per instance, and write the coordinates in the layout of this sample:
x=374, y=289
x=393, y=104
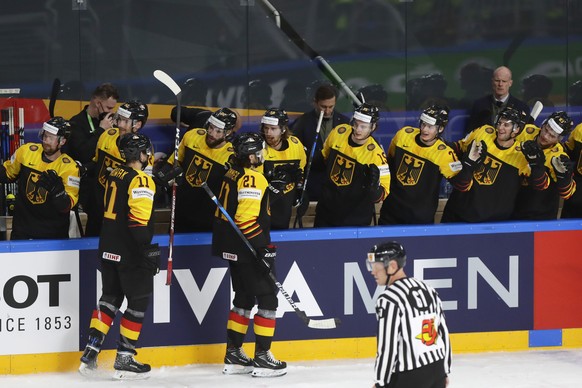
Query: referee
x=413, y=340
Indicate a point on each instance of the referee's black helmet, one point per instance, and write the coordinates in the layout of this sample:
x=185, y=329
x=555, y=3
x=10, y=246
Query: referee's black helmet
x=386, y=252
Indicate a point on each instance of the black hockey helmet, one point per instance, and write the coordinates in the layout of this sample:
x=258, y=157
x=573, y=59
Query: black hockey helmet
x=560, y=123
x=223, y=118
x=57, y=126
x=435, y=115
x=248, y=143
x=517, y=117
x=386, y=252
x=132, y=145
x=367, y=113
x=275, y=116
x=134, y=110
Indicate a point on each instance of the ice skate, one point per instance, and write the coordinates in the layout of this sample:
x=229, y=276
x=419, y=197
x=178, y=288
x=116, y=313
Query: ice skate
x=127, y=368
x=88, y=365
x=266, y=365
x=237, y=362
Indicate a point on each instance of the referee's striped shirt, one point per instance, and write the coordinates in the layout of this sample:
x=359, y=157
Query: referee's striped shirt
x=412, y=331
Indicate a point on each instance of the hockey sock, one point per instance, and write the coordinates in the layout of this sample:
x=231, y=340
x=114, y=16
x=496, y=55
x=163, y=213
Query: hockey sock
x=237, y=326
x=101, y=320
x=130, y=328
x=264, y=327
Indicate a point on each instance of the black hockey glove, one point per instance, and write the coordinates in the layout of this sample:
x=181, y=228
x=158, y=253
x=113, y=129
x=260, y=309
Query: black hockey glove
x=475, y=155
x=151, y=254
x=167, y=175
x=278, y=179
x=266, y=259
x=372, y=177
x=563, y=167
x=52, y=183
x=533, y=153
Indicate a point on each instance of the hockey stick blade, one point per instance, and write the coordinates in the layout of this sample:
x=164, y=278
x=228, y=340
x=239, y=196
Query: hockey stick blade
x=164, y=78
x=537, y=108
x=331, y=323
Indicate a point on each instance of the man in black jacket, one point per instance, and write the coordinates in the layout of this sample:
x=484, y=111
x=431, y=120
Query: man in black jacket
x=485, y=109
x=305, y=126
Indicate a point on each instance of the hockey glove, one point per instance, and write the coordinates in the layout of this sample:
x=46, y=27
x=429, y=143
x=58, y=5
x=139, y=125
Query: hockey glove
x=475, y=155
x=563, y=167
x=533, y=153
x=266, y=259
x=278, y=179
x=167, y=175
x=373, y=177
x=51, y=182
x=151, y=254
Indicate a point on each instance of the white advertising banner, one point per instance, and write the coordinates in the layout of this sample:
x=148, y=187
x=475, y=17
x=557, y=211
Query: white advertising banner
x=39, y=302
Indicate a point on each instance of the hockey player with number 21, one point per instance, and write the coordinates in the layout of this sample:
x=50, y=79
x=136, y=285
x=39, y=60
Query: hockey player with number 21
x=128, y=259
x=245, y=196
x=414, y=349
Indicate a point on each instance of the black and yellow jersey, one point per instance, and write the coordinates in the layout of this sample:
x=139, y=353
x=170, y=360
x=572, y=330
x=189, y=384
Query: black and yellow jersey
x=495, y=183
x=107, y=158
x=572, y=208
x=543, y=205
x=417, y=172
x=291, y=152
x=35, y=216
x=345, y=199
x=127, y=220
x=200, y=163
x=245, y=197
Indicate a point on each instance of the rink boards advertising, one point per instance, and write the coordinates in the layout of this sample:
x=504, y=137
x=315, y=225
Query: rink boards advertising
x=492, y=278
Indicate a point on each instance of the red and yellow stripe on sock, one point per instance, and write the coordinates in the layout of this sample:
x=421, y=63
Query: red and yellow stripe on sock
x=264, y=327
x=130, y=329
x=237, y=323
x=101, y=321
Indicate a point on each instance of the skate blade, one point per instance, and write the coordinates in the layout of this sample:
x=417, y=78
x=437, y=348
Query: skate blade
x=265, y=372
x=87, y=371
x=235, y=369
x=127, y=375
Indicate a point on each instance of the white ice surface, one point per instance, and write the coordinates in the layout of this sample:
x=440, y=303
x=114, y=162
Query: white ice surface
x=532, y=369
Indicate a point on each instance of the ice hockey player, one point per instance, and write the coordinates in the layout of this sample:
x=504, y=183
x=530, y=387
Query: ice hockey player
x=245, y=195
x=128, y=259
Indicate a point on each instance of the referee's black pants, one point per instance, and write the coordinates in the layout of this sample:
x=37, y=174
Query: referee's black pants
x=429, y=376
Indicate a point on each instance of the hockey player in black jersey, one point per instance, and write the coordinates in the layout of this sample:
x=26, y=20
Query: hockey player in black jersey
x=487, y=187
x=419, y=159
x=356, y=172
x=284, y=153
x=48, y=184
x=203, y=154
x=130, y=117
x=128, y=259
x=534, y=204
x=413, y=346
x=245, y=196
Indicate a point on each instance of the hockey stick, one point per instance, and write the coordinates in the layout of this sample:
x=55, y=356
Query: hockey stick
x=298, y=217
x=53, y=96
x=536, y=109
x=323, y=65
x=173, y=86
x=330, y=323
